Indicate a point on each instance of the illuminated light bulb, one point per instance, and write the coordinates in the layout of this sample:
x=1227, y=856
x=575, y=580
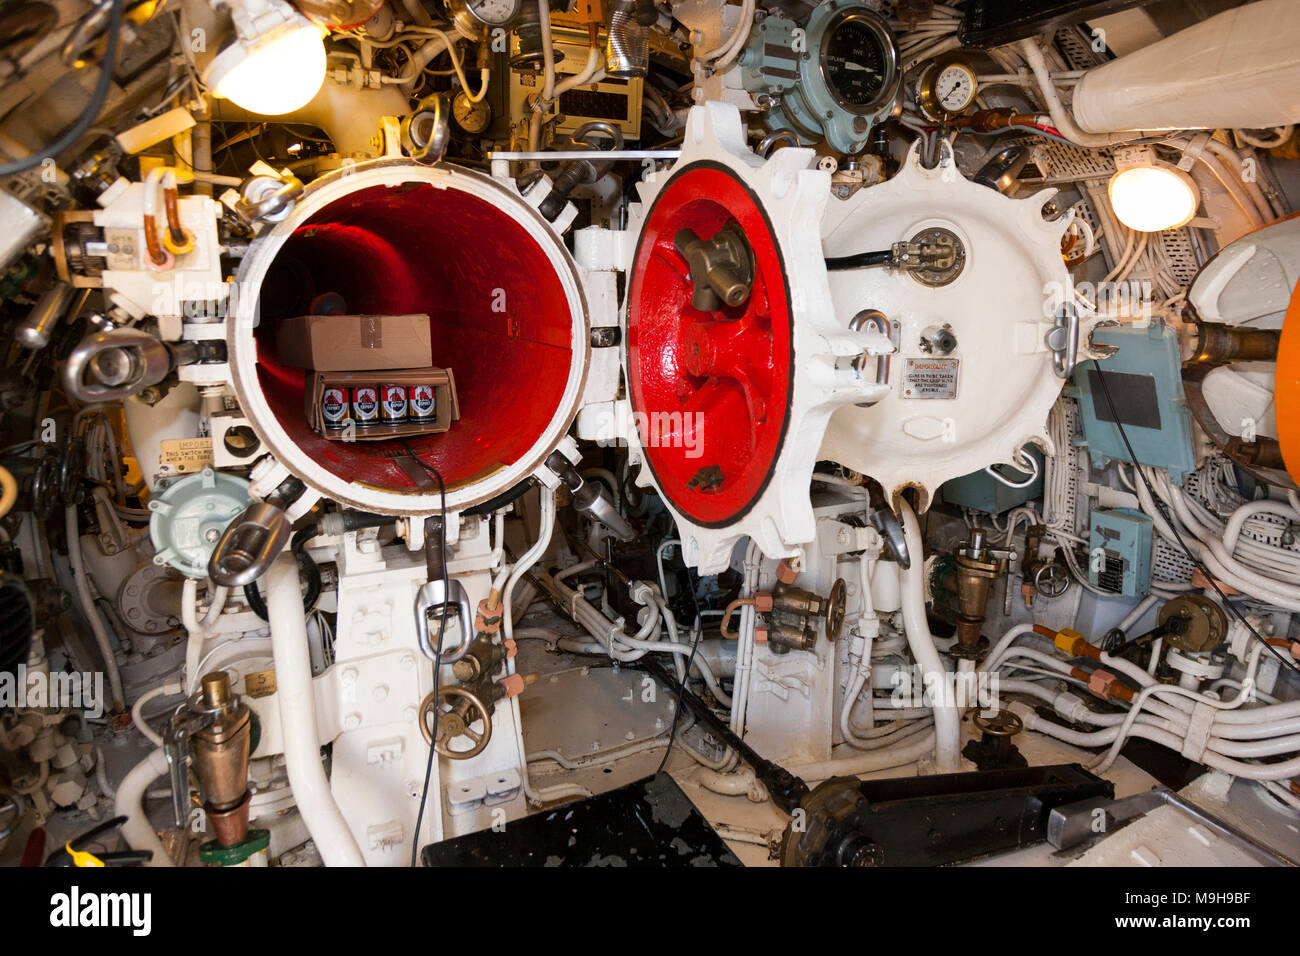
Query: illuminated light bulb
x=1153, y=196
x=274, y=72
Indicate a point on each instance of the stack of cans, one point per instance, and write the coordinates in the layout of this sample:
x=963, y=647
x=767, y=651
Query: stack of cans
x=374, y=406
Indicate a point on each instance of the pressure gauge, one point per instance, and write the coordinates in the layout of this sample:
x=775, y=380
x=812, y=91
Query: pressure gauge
x=845, y=83
x=858, y=60
x=471, y=117
x=947, y=88
x=477, y=18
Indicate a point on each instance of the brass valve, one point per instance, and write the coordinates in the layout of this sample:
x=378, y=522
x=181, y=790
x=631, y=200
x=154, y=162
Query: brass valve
x=722, y=268
x=212, y=735
x=792, y=611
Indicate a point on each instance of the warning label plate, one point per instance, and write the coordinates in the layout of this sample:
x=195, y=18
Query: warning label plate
x=185, y=456
x=930, y=377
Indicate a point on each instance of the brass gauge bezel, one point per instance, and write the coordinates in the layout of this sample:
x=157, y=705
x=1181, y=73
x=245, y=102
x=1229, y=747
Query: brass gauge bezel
x=461, y=103
x=473, y=27
x=927, y=96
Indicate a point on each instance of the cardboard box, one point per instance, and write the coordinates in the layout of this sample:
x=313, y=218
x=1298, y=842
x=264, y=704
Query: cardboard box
x=354, y=343
x=446, y=405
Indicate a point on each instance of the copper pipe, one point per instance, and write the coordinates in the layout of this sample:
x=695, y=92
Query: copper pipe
x=990, y=121
x=171, y=202
x=152, y=244
x=726, y=616
x=1263, y=452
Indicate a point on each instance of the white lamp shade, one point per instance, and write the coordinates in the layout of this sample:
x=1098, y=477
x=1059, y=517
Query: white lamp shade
x=276, y=73
x=1153, y=197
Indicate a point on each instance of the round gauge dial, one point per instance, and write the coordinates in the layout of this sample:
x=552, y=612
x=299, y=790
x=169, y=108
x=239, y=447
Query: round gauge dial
x=948, y=87
x=471, y=117
x=954, y=87
x=857, y=61
x=476, y=17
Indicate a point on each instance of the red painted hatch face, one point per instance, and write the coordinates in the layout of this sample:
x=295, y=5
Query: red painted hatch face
x=711, y=389
x=497, y=313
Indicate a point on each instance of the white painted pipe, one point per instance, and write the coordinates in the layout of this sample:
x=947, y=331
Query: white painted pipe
x=1238, y=69
x=137, y=710
x=421, y=58
x=1135, y=615
x=885, y=597
x=947, y=717
x=137, y=831
x=1061, y=117
x=740, y=782
x=311, y=789
x=545, y=528
x=876, y=760
x=82, y=585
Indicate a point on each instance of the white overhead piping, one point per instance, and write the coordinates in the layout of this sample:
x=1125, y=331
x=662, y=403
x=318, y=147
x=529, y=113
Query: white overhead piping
x=1061, y=117
x=1237, y=69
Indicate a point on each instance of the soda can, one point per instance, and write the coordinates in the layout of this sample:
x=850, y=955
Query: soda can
x=392, y=404
x=422, y=405
x=365, y=406
x=334, y=406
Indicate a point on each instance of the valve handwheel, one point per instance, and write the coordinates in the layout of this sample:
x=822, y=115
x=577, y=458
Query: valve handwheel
x=835, y=608
x=455, y=722
x=1051, y=580
x=998, y=723
x=711, y=387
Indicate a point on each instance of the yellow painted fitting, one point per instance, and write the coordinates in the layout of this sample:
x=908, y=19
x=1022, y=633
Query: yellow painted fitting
x=1065, y=640
x=82, y=858
x=175, y=248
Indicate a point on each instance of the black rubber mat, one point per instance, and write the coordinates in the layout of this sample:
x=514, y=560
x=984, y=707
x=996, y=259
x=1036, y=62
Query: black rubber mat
x=647, y=823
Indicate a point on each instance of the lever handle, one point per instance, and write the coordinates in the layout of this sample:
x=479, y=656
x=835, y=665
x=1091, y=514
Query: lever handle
x=592, y=499
x=427, y=131
x=432, y=595
x=124, y=362
x=1063, y=340
x=249, y=544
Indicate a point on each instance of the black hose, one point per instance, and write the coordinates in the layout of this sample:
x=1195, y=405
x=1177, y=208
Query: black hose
x=860, y=261
x=97, y=99
x=501, y=500
x=341, y=522
x=298, y=547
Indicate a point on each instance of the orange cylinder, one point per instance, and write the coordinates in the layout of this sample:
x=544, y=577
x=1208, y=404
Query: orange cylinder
x=1287, y=387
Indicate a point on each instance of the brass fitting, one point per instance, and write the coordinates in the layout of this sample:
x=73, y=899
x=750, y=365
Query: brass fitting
x=219, y=755
x=977, y=568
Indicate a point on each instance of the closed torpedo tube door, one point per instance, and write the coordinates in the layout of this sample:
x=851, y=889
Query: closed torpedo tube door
x=733, y=359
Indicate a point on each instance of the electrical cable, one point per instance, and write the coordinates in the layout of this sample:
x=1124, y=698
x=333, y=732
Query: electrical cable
x=88, y=116
x=690, y=662
x=257, y=604
x=437, y=648
x=860, y=260
x=1160, y=505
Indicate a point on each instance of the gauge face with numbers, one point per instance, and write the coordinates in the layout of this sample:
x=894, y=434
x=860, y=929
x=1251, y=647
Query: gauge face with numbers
x=857, y=61
x=471, y=117
x=947, y=88
x=954, y=87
